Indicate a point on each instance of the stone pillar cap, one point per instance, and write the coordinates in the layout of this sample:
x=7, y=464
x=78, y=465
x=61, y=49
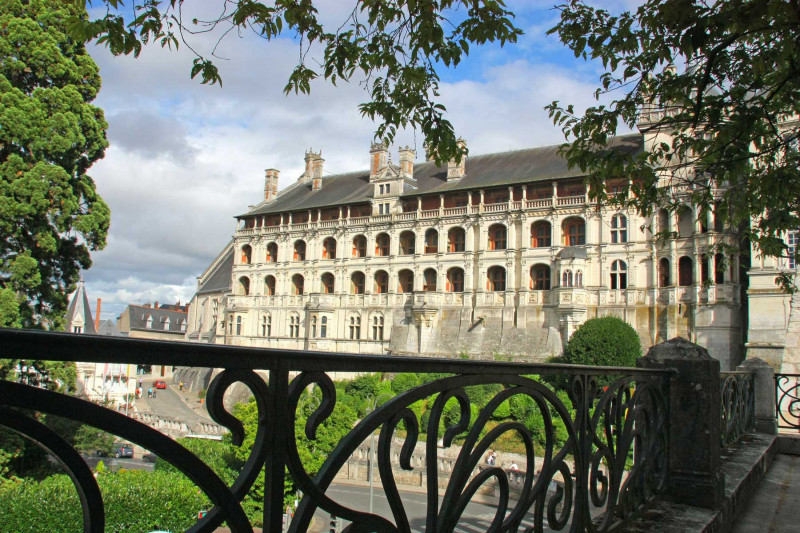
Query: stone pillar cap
x=677, y=348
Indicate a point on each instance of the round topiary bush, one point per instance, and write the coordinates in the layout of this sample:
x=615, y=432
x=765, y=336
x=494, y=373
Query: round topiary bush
x=605, y=341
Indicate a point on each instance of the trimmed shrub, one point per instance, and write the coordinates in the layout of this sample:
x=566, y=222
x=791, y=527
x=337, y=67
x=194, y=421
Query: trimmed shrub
x=605, y=341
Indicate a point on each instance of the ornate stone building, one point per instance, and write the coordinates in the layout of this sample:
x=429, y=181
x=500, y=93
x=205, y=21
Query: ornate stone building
x=502, y=255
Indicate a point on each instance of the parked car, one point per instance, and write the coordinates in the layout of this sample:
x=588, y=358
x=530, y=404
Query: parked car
x=160, y=384
x=122, y=449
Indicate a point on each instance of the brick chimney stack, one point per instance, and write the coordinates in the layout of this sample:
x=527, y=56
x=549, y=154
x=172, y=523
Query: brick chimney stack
x=456, y=171
x=379, y=154
x=316, y=172
x=313, y=160
x=407, y=156
x=271, y=184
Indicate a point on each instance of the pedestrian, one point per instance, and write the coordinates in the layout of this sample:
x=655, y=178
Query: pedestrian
x=494, y=457
x=514, y=466
x=180, y=386
x=150, y=392
x=155, y=391
x=140, y=383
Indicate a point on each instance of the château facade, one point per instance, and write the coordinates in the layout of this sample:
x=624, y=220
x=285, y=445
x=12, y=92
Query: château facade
x=500, y=255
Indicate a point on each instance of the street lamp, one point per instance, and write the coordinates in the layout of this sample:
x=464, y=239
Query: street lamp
x=372, y=404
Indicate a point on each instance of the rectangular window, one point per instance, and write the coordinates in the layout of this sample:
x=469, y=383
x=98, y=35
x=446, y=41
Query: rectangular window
x=388, y=188
x=794, y=240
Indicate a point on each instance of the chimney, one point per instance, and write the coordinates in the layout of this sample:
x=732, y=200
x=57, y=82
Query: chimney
x=379, y=154
x=97, y=316
x=316, y=173
x=407, y=156
x=271, y=184
x=155, y=305
x=311, y=161
x=456, y=171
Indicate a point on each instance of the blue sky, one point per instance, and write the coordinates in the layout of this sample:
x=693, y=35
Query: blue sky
x=185, y=158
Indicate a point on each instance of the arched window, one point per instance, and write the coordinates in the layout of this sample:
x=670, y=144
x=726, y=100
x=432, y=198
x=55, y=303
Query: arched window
x=540, y=277
x=619, y=275
x=579, y=278
x=244, y=286
x=619, y=229
x=431, y=241
x=247, y=253
x=455, y=240
x=663, y=272
x=685, y=271
x=407, y=239
x=300, y=250
x=357, y=283
x=328, y=283
x=269, y=285
x=329, y=248
x=382, y=245
x=719, y=268
x=497, y=237
x=355, y=327
x=381, y=282
x=574, y=231
x=541, y=235
x=496, y=279
x=359, y=246
x=429, y=280
x=377, y=327
x=566, y=278
x=663, y=221
x=455, y=280
x=239, y=325
x=297, y=284
x=323, y=328
x=685, y=221
x=294, y=326
x=272, y=252
x=405, y=281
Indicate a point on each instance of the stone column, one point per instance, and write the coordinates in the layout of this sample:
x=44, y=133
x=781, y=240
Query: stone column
x=764, y=391
x=695, y=420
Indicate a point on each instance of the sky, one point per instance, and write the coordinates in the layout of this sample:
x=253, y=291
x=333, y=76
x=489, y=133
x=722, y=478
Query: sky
x=185, y=158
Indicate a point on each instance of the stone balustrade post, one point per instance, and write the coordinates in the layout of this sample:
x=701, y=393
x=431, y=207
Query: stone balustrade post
x=764, y=385
x=695, y=421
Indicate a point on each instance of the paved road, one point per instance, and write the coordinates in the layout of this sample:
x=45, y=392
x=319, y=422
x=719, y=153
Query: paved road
x=169, y=403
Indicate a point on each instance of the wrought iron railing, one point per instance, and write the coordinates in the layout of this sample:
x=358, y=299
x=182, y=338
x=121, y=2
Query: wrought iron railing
x=610, y=461
x=738, y=406
x=787, y=400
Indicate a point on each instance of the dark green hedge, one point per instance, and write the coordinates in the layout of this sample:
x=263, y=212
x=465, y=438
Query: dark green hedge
x=605, y=341
x=136, y=501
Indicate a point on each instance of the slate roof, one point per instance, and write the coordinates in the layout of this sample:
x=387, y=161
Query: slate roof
x=139, y=315
x=490, y=170
x=79, y=306
x=109, y=328
x=219, y=279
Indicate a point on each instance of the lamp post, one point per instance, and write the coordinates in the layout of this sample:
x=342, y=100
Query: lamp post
x=371, y=406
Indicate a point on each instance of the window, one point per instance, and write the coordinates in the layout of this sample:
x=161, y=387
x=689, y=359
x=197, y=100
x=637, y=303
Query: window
x=246, y=254
x=314, y=321
x=685, y=222
x=663, y=221
x=182, y=324
x=793, y=239
x=579, y=278
x=455, y=240
x=327, y=283
x=719, y=268
x=355, y=328
x=77, y=329
x=149, y=323
x=455, y=280
x=244, y=286
x=294, y=326
x=497, y=237
x=566, y=278
x=272, y=252
x=269, y=285
x=705, y=268
x=166, y=324
x=380, y=209
x=357, y=283
x=238, y=325
x=380, y=188
x=381, y=282
x=406, y=281
x=388, y=190
x=719, y=218
x=377, y=327
x=496, y=279
x=541, y=235
x=323, y=328
x=663, y=272
x=540, y=277
x=685, y=271
x=266, y=326
x=329, y=248
x=574, y=232
x=429, y=280
x=619, y=229
x=297, y=284
x=382, y=245
x=407, y=239
x=300, y=251
x=431, y=241
x=619, y=275
x=359, y=246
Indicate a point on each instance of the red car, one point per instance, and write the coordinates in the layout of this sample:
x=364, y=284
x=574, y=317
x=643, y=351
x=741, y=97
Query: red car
x=160, y=384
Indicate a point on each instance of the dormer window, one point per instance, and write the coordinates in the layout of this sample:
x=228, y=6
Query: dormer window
x=149, y=323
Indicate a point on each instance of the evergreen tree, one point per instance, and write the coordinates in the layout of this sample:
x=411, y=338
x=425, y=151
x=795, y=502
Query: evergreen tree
x=50, y=213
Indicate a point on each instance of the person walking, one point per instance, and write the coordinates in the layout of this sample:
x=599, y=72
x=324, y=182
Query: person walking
x=150, y=392
x=180, y=386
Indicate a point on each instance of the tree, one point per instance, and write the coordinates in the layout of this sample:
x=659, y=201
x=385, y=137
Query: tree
x=604, y=341
x=397, y=45
x=50, y=134
x=714, y=88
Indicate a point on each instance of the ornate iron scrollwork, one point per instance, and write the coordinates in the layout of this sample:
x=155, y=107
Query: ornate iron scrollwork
x=787, y=400
x=738, y=406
